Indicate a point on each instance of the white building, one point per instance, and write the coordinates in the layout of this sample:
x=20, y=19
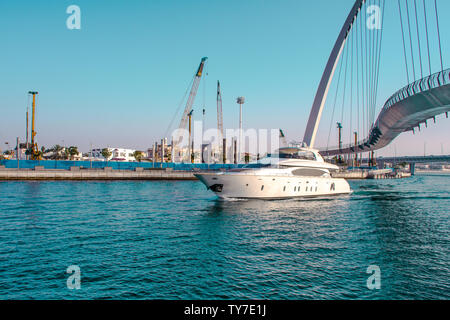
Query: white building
x=117, y=154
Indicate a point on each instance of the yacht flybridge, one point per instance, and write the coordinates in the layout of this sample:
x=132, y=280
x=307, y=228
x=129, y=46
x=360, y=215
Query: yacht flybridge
x=291, y=173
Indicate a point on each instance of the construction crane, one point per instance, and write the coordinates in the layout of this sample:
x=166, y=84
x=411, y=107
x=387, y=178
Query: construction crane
x=191, y=98
x=34, y=152
x=220, y=123
x=178, y=136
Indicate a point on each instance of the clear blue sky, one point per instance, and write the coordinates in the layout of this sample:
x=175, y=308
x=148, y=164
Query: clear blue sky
x=118, y=80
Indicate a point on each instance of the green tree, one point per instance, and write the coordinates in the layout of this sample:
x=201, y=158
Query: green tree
x=57, y=150
x=106, y=154
x=138, y=155
x=73, y=151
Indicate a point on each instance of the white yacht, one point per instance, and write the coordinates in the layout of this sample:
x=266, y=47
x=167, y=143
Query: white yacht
x=291, y=173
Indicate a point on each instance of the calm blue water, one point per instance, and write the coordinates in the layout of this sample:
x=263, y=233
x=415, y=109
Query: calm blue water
x=175, y=240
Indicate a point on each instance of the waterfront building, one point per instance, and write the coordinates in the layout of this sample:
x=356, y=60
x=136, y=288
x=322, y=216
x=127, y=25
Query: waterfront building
x=117, y=154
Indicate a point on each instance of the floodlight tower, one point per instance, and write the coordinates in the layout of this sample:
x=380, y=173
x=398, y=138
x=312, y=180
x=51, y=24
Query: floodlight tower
x=240, y=101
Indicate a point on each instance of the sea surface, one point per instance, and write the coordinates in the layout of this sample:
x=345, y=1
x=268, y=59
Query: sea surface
x=176, y=240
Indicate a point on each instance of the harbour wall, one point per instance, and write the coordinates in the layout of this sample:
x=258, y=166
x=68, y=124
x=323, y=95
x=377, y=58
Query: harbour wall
x=115, y=165
x=374, y=174
x=107, y=173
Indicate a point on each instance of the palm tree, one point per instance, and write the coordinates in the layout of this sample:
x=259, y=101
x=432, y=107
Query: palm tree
x=57, y=151
x=66, y=153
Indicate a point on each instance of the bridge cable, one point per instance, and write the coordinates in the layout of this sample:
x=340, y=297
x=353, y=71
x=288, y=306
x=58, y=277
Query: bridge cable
x=374, y=64
x=362, y=72
x=345, y=86
x=357, y=77
x=368, y=62
x=369, y=96
x=379, y=56
x=367, y=72
x=410, y=41
x=404, y=45
x=377, y=64
x=418, y=40
x=372, y=39
x=351, y=83
x=439, y=37
x=426, y=30
x=374, y=45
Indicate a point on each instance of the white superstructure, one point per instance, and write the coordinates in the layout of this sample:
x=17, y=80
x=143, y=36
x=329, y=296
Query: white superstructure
x=293, y=172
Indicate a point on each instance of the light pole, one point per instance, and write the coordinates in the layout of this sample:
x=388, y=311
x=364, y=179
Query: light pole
x=240, y=101
x=190, y=153
x=339, y=126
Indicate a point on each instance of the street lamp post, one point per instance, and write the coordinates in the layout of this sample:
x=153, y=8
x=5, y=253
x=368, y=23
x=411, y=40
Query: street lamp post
x=240, y=101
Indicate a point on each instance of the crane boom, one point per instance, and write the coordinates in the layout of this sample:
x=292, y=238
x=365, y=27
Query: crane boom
x=192, y=94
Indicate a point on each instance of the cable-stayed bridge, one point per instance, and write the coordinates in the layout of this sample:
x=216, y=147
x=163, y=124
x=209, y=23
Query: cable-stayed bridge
x=354, y=64
x=406, y=110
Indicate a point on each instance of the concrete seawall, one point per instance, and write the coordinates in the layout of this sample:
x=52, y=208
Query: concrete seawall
x=75, y=173
x=350, y=175
x=374, y=174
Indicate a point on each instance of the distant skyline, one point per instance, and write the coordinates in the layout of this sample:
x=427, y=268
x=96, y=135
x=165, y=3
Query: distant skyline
x=119, y=79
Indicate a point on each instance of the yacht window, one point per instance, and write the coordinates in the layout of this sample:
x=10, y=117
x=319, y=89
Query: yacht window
x=284, y=189
x=333, y=187
x=258, y=165
x=308, y=172
x=262, y=188
x=295, y=189
x=316, y=189
x=303, y=155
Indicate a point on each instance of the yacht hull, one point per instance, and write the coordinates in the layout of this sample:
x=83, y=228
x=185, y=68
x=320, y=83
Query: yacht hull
x=245, y=186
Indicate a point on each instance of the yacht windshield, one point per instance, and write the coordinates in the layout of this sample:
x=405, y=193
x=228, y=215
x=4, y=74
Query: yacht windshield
x=303, y=155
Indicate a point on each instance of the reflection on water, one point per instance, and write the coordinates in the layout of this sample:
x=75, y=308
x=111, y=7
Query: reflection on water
x=171, y=240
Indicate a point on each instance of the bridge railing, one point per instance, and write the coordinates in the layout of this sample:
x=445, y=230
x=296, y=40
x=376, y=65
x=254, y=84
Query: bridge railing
x=435, y=80
x=432, y=81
